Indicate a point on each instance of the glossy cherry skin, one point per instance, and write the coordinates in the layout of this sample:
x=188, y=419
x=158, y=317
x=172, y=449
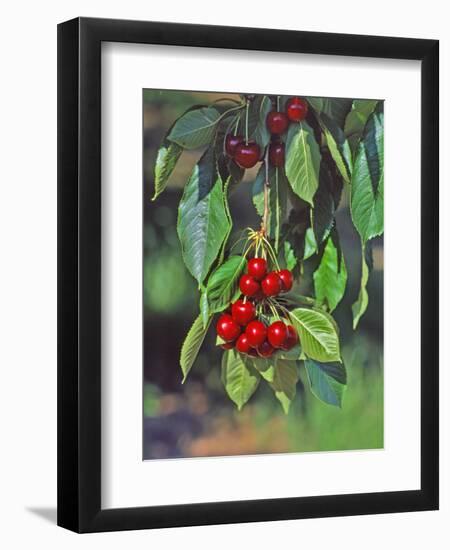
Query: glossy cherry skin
x=265, y=349
x=292, y=338
x=231, y=142
x=271, y=284
x=248, y=285
x=296, y=109
x=287, y=279
x=277, y=334
x=243, y=312
x=242, y=344
x=256, y=333
x=257, y=268
x=247, y=155
x=276, y=153
x=227, y=328
x=227, y=345
x=277, y=122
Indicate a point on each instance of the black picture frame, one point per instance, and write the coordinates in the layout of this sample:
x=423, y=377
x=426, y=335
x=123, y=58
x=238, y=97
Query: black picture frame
x=79, y=274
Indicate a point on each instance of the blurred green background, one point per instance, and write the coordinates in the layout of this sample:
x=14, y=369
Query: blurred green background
x=197, y=418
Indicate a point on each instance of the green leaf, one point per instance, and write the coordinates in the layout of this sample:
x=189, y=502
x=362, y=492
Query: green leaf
x=204, y=309
x=302, y=161
x=316, y=103
x=338, y=146
x=168, y=155
x=284, y=382
x=230, y=220
x=322, y=215
x=292, y=355
x=337, y=109
x=277, y=199
x=360, y=306
x=222, y=287
x=356, y=120
x=330, y=278
x=239, y=377
x=368, y=180
x=195, y=128
x=259, y=108
x=318, y=336
x=327, y=380
x=203, y=223
x=310, y=244
x=192, y=344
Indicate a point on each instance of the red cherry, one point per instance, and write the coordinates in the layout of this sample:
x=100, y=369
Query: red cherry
x=248, y=285
x=247, y=155
x=242, y=344
x=243, y=312
x=296, y=109
x=286, y=279
x=292, y=338
x=277, y=122
x=256, y=333
x=276, y=153
x=231, y=142
x=271, y=284
x=259, y=295
x=257, y=268
x=265, y=349
x=226, y=328
x=252, y=352
x=277, y=334
x=227, y=345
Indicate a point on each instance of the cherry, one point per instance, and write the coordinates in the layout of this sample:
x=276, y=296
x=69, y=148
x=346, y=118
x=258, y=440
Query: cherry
x=292, y=338
x=226, y=328
x=271, y=284
x=246, y=155
x=287, y=279
x=231, y=142
x=242, y=344
x=257, y=268
x=265, y=349
x=277, y=334
x=248, y=285
x=243, y=312
x=252, y=352
x=296, y=109
x=277, y=122
x=276, y=153
x=256, y=333
x=227, y=345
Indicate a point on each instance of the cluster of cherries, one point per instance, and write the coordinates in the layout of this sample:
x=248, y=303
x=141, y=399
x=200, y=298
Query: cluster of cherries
x=246, y=155
x=240, y=328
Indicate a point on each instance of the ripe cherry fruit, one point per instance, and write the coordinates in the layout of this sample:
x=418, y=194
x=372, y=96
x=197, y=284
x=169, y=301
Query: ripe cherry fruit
x=296, y=109
x=256, y=333
x=277, y=334
x=248, y=285
x=276, y=153
x=257, y=268
x=246, y=155
x=242, y=344
x=277, y=122
x=265, y=349
x=231, y=142
x=227, y=328
x=243, y=312
x=287, y=279
x=271, y=284
x=292, y=338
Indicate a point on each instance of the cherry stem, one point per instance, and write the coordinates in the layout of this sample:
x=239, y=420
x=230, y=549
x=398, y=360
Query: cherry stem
x=278, y=102
x=266, y=193
x=246, y=121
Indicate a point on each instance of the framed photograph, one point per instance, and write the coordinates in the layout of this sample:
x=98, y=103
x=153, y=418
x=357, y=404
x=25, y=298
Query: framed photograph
x=248, y=275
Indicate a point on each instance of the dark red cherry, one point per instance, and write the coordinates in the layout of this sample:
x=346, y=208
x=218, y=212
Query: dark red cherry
x=276, y=153
x=296, y=109
x=231, y=142
x=257, y=268
x=246, y=155
x=256, y=333
x=277, y=334
x=287, y=279
x=248, y=285
x=265, y=349
x=271, y=284
x=243, y=312
x=227, y=328
x=242, y=344
x=227, y=345
x=277, y=122
x=292, y=338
